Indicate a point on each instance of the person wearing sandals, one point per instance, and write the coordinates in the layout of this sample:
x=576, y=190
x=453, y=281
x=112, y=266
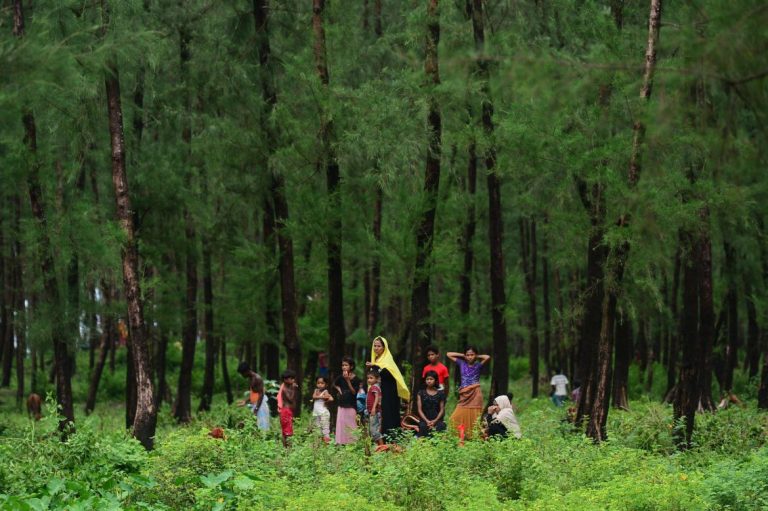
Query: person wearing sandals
x=430, y=402
x=470, y=405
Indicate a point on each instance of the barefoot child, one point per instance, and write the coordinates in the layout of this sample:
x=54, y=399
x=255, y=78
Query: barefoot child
x=373, y=406
x=320, y=413
x=470, y=405
x=430, y=402
x=286, y=402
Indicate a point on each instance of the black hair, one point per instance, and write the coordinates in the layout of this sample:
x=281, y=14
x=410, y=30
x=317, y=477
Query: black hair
x=325, y=380
x=350, y=361
x=374, y=371
x=243, y=367
x=471, y=348
x=510, y=396
x=432, y=374
x=289, y=373
x=432, y=348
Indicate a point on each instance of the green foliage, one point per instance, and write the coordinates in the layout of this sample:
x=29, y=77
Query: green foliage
x=551, y=468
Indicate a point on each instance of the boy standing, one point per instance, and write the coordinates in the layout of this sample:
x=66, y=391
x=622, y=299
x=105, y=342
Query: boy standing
x=434, y=364
x=287, y=400
x=373, y=406
x=559, y=384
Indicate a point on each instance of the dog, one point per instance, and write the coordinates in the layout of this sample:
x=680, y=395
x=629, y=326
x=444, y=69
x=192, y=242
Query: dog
x=34, y=406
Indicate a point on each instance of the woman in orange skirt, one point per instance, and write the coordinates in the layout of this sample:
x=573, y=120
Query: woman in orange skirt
x=470, y=405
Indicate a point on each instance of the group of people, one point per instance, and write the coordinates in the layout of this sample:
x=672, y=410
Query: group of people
x=375, y=402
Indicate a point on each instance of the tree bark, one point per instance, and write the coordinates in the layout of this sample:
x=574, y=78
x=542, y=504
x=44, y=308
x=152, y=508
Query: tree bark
x=465, y=299
x=374, y=286
x=622, y=362
x=225, y=372
x=63, y=377
x=421, y=320
x=104, y=347
x=6, y=314
x=328, y=159
x=732, y=301
x=146, y=413
x=210, y=335
x=500, y=376
x=528, y=249
x=706, y=311
x=688, y=392
x=546, y=306
x=271, y=358
x=183, y=408
x=20, y=323
x=676, y=329
x=277, y=197
x=752, y=361
x=163, y=391
x=654, y=25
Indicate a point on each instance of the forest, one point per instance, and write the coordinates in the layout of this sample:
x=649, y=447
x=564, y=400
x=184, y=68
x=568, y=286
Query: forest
x=570, y=186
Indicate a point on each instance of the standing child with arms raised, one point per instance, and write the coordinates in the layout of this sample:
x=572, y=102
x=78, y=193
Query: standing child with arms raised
x=471, y=404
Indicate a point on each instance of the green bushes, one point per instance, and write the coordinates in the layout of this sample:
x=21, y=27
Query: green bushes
x=551, y=468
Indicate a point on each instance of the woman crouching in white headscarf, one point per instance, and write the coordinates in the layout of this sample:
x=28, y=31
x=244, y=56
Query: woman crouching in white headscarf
x=501, y=419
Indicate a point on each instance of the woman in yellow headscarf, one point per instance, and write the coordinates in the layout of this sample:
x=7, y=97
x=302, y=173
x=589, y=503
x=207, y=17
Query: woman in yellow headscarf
x=393, y=387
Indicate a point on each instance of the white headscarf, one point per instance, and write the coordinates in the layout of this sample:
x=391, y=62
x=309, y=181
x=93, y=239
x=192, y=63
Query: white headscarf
x=506, y=416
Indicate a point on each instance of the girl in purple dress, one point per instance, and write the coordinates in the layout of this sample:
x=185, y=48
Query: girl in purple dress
x=470, y=405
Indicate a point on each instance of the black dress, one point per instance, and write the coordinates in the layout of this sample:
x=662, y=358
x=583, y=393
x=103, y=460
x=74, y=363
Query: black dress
x=390, y=404
x=430, y=405
x=348, y=397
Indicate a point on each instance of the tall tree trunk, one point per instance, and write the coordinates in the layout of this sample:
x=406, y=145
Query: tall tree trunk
x=63, y=377
x=163, y=391
x=20, y=323
x=621, y=364
x=146, y=413
x=752, y=361
x=654, y=25
x=328, y=159
x=277, y=196
x=131, y=390
x=706, y=311
x=6, y=320
x=225, y=372
x=589, y=331
x=546, y=306
x=732, y=301
x=210, y=335
x=528, y=249
x=500, y=376
x=104, y=346
x=465, y=300
x=676, y=329
x=183, y=408
x=688, y=392
x=598, y=390
x=374, y=286
x=287, y=283
x=421, y=316
x=271, y=358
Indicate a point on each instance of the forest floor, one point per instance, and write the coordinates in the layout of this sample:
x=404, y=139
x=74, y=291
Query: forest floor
x=550, y=468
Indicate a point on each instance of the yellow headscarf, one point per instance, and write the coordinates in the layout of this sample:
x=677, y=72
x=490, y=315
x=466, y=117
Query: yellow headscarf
x=385, y=361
